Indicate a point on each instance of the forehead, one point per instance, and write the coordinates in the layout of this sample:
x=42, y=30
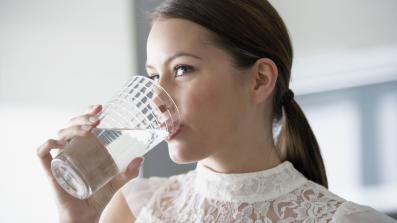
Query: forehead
x=170, y=35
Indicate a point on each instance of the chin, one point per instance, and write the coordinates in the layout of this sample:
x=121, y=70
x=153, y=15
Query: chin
x=182, y=155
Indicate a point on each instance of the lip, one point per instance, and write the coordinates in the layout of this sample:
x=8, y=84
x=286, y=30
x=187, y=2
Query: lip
x=173, y=135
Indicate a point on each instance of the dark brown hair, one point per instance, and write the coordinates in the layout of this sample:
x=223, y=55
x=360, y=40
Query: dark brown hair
x=249, y=30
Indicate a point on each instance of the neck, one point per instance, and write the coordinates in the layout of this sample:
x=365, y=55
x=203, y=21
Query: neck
x=251, y=153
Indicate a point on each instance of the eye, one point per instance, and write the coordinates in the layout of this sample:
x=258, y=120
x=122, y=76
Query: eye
x=182, y=69
x=154, y=77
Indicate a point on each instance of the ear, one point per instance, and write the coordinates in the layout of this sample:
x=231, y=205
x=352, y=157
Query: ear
x=264, y=75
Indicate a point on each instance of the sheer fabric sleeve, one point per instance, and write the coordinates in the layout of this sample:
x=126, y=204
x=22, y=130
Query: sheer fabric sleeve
x=139, y=191
x=350, y=212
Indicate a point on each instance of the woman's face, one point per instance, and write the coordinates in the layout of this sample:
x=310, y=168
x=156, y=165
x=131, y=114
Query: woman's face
x=211, y=94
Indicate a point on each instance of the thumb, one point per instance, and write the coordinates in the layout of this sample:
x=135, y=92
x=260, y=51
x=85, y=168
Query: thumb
x=103, y=196
x=129, y=173
x=133, y=168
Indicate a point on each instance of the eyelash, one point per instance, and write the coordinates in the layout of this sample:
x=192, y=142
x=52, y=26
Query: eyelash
x=189, y=69
x=155, y=77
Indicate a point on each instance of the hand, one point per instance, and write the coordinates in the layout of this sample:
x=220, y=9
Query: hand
x=70, y=208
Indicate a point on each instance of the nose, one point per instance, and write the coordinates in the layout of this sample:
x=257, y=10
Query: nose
x=164, y=107
x=164, y=91
x=163, y=82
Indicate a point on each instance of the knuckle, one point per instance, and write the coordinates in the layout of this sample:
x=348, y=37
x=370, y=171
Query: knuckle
x=78, y=131
x=60, y=132
x=90, y=108
x=78, y=128
x=71, y=131
x=72, y=120
x=86, y=118
x=48, y=143
x=84, y=133
x=79, y=120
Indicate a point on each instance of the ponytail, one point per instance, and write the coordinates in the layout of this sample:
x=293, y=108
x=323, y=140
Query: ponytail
x=298, y=144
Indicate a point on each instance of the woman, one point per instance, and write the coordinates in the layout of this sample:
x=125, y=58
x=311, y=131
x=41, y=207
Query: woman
x=227, y=64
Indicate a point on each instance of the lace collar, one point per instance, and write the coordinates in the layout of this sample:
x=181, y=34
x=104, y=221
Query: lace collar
x=248, y=187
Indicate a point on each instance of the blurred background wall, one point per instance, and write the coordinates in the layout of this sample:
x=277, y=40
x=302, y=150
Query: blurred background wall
x=58, y=57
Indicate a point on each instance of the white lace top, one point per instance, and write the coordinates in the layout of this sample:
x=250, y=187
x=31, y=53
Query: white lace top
x=280, y=194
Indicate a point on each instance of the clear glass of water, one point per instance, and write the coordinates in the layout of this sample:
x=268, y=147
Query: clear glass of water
x=141, y=116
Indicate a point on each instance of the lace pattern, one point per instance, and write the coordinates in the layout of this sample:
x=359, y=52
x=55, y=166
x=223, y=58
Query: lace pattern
x=280, y=194
x=248, y=187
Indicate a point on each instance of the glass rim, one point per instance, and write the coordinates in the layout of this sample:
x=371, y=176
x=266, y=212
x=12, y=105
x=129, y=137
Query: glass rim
x=159, y=86
x=175, y=116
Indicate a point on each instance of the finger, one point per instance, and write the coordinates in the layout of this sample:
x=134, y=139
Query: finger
x=43, y=152
x=131, y=172
x=133, y=168
x=87, y=119
x=72, y=131
x=94, y=109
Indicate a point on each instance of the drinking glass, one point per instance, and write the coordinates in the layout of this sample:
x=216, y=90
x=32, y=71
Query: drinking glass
x=141, y=116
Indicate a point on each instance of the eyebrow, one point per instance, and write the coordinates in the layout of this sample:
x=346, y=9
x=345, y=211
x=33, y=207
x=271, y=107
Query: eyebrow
x=180, y=54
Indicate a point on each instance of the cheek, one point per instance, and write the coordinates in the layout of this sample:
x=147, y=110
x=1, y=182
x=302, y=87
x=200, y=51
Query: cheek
x=199, y=102
x=207, y=107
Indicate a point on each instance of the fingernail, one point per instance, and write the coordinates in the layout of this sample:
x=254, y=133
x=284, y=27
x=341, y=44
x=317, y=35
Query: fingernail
x=61, y=142
x=132, y=166
x=93, y=119
x=86, y=127
x=95, y=107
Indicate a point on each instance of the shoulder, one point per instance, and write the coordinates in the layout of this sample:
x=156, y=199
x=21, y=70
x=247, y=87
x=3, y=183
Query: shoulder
x=137, y=192
x=350, y=212
x=341, y=210
x=142, y=186
x=140, y=191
